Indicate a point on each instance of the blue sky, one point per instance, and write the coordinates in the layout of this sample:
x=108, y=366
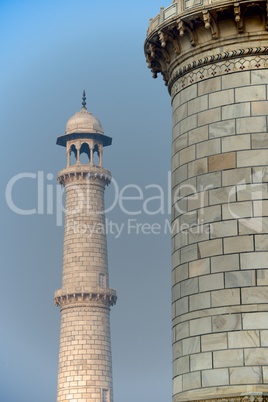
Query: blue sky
x=50, y=52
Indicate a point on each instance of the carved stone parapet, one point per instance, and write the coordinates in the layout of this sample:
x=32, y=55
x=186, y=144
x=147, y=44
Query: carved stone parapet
x=82, y=173
x=207, y=26
x=105, y=297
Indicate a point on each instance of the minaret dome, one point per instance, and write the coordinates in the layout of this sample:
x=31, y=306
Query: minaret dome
x=84, y=122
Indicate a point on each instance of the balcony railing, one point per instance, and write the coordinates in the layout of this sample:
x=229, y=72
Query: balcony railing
x=183, y=8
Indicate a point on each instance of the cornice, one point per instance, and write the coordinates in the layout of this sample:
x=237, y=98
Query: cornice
x=211, y=28
x=82, y=174
x=105, y=297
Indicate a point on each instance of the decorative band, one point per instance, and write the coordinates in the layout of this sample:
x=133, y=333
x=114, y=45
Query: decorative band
x=107, y=298
x=222, y=63
x=71, y=177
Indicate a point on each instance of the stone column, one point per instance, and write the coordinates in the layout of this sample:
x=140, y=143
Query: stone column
x=213, y=58
x=85, y=361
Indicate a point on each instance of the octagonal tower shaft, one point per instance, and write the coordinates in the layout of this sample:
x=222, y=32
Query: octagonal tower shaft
x=213, y=56
x=85, y=361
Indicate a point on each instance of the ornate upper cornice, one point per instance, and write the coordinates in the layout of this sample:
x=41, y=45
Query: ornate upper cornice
x=190, y=31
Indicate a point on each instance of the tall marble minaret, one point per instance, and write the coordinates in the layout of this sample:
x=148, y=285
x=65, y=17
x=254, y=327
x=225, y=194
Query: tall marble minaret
x=85, y=362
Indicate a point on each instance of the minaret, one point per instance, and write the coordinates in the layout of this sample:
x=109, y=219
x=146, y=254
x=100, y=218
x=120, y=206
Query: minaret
x=85, y=361
x=213, y=56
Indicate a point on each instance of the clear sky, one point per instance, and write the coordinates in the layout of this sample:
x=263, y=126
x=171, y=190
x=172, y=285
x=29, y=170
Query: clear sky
x=51, y=51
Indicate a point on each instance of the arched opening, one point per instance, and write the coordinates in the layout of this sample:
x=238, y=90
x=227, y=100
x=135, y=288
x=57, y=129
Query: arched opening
x=84, y=154
x=96, y=155
x=73, y=155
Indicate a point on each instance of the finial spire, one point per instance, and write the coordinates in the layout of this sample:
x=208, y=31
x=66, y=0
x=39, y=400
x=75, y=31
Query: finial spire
x=84, y=100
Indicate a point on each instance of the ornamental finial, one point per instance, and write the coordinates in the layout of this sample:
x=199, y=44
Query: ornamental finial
x=84, y=100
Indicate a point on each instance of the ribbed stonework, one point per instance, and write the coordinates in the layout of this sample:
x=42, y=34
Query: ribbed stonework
x=213, y=56
x=85, y=362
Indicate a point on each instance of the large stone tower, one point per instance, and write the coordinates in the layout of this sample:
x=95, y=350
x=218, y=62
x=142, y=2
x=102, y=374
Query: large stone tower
x=85, y=362
x=213, y=56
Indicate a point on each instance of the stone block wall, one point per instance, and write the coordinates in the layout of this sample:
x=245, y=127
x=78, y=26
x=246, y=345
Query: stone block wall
x=85, y=244
x=220, y=240
x=85, y=361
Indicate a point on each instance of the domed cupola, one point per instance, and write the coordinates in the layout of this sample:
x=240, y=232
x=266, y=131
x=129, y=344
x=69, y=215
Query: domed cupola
x=84, y=134
x=84, y=122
